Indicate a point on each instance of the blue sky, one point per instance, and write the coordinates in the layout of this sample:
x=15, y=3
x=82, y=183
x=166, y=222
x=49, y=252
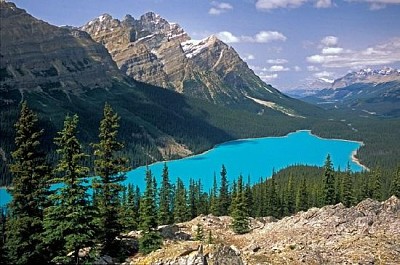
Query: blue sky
x=288, y=43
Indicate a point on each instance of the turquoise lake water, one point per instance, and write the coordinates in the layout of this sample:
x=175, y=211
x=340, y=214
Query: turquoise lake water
x=255, y=158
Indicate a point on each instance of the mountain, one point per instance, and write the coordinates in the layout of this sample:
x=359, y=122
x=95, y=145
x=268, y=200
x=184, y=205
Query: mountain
x=63, y=71
x=363, y=234
x=368, y=76
x=369, y=92
x=152, y=50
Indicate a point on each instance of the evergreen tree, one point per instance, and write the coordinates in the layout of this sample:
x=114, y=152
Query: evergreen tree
x=302, y=197
x=151, y=238
x=248, y=200
x=214, y=198
x=130, y=210
x=165, y=212
x=240, y=222
x=347, y=187
x=29, y=190
x=110, y=167
x=223, y=199
x=233, y=195
x=199, y=232
x=330, y=197
x=395, y=189
x=193, y=199
x=290, y=196
x=274, y=203
x=68, y=222
x=376, y=188
x=180, y=203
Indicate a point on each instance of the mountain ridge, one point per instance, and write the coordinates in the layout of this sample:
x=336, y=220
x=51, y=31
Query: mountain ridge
x=152, y=50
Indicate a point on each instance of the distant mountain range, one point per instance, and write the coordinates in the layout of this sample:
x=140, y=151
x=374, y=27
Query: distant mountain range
x=154, y=51
x=373, y=92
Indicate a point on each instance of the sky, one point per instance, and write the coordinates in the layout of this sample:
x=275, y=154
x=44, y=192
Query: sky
x=288, y=43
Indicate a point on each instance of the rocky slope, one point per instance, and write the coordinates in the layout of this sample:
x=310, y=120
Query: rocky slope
x=364, y=234
x=37, y=56
x=152, y=50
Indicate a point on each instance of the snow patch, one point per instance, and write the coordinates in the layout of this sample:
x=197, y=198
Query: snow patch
x=275, y=106
x=191, y=48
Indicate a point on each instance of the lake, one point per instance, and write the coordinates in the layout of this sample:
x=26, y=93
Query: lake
x=254, y=158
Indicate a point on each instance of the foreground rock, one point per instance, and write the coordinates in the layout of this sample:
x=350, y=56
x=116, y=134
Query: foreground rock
x=368, y=233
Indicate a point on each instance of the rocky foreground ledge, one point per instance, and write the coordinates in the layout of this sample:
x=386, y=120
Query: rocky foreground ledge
x=368, y=233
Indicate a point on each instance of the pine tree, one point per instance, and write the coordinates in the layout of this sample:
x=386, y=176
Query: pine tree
x=347, y=187
x=214, y=198
x=210, y=238
x=68, y=223
x=290, y=198
x=193, y=199
x=233, y=195
x=110, y=167
x=302, y=197
x=330, y=197
x=274, y=203
x=376, y=188
x=30, y=188
x=180, y=203
x=223, y=199
x=240, y=222
x=199, y=232
x=248, y=200
x=395, y=189
x=165, y=212
x=151, y=239
x=130, y=210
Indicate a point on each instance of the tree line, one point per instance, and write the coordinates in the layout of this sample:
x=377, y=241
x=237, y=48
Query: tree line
x=52, y=218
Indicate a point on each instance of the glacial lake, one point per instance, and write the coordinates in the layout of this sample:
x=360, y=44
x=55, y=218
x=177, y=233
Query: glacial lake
x=254, y=158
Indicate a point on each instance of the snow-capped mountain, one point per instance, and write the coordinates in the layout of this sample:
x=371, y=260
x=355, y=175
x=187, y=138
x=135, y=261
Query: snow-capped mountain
x=368, y=75
x=152, y=50
x=367, y=90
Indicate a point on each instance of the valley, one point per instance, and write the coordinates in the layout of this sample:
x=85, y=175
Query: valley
x=116, y=98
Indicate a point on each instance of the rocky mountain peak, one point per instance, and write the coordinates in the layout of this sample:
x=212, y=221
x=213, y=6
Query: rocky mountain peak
x=367, y=75
x=152, y=50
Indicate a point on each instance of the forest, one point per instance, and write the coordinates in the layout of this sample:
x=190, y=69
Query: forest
x=53, y=225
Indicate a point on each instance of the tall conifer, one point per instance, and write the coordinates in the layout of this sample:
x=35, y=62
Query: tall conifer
x=68, y=223
x=110, y=167
x=151, y=239
x=223, y=199
x=329, y=195
x=165, y=213
x=240, y=222
x=29, y=190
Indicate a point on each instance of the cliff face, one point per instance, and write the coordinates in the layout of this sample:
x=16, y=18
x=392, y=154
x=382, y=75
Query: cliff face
x=152, y=50
x=36, y=56
x=364, y=234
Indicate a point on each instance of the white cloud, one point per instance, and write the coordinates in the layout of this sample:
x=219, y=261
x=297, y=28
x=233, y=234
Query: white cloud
x=323, y=74
x=273, y=4
x=332, y=50
x=323, y=4
x=312, y=68
x=277, y=61
x=268, y=36
x=377, y=4
x=297, y=68
x=227, y=37
x=219, y=8
x=248, y=57
x=266, y=77
x=329, y=41
x=278, y=68
x=260, y=37
x=383, y=54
